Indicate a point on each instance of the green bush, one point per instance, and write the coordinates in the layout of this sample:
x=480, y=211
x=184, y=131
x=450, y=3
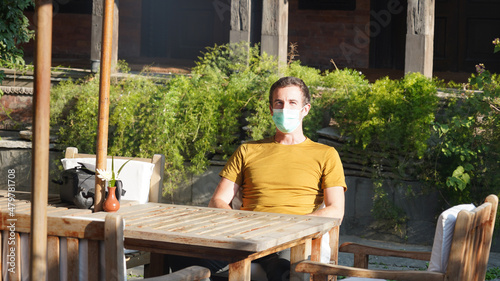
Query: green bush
x=389, y=116
x=225, y=101
x=14, y=32
x=466, y=151
x=188, y=118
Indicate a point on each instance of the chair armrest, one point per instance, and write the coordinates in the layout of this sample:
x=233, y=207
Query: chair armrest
x=362, y=253
x=330, y=269
x=186, y=274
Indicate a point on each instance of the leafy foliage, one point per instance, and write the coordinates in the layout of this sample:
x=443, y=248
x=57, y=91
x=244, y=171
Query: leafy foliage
x=454, y=141
x=13, y=31
x=389, y=117
x=496, y=42
x=467, y=150
x=189, y=118
x=493, y=273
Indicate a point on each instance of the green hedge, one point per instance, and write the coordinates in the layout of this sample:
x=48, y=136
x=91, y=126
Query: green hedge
x=225, y=101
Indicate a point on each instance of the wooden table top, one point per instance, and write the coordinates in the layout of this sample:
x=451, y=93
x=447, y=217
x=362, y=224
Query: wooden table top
x=179, y=228
x=217, y=228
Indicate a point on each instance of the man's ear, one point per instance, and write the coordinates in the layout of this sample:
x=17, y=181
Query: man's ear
x=271, y=109
x=307, y=107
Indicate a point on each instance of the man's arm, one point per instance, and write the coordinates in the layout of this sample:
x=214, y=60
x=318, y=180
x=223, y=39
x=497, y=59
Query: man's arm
x=223, y=194
x=334, y=203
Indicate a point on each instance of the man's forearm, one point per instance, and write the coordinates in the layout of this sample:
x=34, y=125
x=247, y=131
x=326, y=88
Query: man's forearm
x=217, y=203
x=330, y=212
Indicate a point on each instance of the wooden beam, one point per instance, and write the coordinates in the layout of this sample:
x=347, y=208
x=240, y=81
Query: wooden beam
x=41, y=132
x=274, y=40
x=96, y=35
x=240, y=21
x=103, y=117
x=420, y=37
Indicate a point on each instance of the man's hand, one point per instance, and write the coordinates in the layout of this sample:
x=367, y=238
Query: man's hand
x=334, y=199
x=223, y=194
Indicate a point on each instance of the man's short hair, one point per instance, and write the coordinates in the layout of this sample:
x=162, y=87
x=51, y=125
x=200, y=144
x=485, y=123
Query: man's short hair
x=287, y=82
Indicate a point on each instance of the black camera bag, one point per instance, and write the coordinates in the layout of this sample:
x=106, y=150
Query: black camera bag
x=78, y=187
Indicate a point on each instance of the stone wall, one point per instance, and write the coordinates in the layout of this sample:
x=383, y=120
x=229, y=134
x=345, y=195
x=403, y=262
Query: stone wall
x=420, y=208
x=15, y=154
x=358, y=220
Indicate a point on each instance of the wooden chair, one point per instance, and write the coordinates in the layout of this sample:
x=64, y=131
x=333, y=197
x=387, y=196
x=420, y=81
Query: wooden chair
x=468, y=256
x=67, y=237
x=136, y=258
x=156, y=184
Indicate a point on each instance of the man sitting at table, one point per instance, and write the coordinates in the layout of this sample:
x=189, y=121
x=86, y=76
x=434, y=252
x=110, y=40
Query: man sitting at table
x=287, y=173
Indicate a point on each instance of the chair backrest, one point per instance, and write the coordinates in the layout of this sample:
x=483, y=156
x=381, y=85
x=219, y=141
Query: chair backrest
x=67, y=239
x=470, y=248
x=156, y=183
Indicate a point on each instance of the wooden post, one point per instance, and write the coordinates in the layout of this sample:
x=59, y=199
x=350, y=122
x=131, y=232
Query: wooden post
x=96, y=35
x=420, y=37
x=103, y=117
x=274, y=38
x=40, y=144
x=240, y=21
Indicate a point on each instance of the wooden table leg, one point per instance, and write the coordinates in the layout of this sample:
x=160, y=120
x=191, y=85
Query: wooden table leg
x=316, y=249
x=316, y=256
x=299, y=253
x=157, y=266
x=240, y=270
x=334, y=245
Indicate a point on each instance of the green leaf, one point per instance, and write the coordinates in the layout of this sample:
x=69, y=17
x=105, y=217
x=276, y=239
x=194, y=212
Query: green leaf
x=458, y=171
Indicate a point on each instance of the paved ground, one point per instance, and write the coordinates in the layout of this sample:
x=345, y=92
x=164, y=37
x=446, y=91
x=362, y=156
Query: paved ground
x=375, y=262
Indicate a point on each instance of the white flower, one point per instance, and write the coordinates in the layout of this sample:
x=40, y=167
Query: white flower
x=104, y=175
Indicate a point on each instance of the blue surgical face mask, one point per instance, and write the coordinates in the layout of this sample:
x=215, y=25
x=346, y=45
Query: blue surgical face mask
x=287, y=120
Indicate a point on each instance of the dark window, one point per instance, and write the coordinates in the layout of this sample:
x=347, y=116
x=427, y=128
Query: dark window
x=346, y=5
x=69, y=7
x=73, y=6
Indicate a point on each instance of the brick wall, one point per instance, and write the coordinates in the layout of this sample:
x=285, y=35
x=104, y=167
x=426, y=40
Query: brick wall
x=72, y=33
x=325, y=35
x=16, y=111
x=70, y=36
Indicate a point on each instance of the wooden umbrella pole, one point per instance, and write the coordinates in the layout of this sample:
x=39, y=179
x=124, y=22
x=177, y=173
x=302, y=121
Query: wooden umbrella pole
x=103, y=121
x=40, y=144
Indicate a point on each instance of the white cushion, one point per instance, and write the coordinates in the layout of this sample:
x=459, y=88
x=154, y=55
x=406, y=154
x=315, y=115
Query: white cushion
x=362, y=279
x=136, y=175
x=443, y=236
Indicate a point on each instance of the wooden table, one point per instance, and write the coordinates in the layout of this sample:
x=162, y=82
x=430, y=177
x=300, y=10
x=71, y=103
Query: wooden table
x=231, y=235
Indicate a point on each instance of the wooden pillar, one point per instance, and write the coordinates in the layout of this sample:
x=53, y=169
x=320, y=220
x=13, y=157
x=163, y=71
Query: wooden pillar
x=96, y=35
x=40, y=145
x=420, y=37
x=274, y=38
x=240, y=21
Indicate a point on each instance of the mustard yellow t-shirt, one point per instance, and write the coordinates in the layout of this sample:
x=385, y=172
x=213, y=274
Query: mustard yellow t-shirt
x=281, y=178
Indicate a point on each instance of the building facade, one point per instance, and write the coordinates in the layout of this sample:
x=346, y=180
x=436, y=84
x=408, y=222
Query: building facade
x=350, y=33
